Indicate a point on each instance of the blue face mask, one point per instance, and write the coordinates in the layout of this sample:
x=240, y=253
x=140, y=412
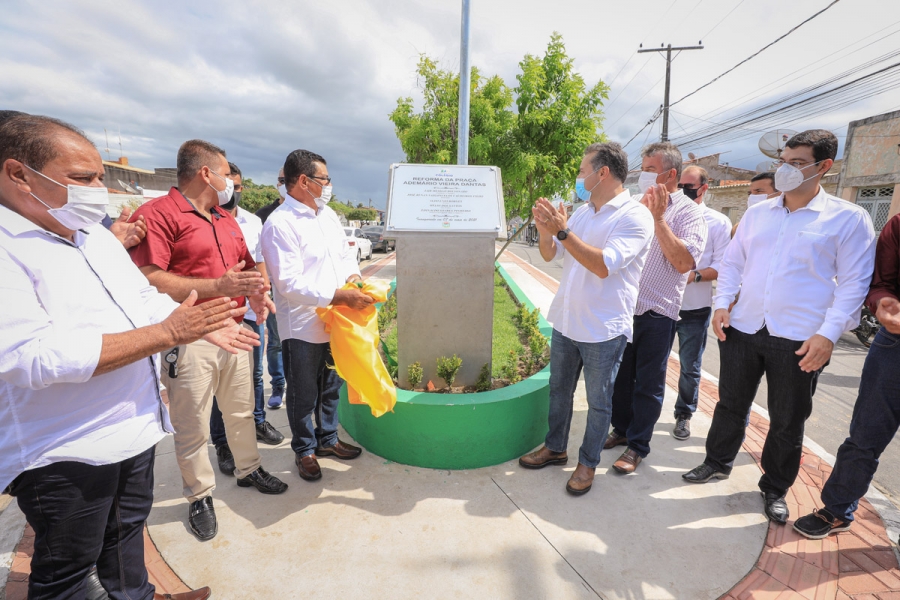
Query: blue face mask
x=580, y=191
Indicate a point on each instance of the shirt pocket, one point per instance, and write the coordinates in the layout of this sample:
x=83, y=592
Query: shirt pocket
x=813, y=248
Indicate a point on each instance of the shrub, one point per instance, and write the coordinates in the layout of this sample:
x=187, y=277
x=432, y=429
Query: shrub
x=484, y=379
x=414, y=374
x=510, y=369
x=447, y=368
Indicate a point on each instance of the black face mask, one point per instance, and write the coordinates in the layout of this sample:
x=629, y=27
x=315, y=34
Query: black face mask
x=690, y=193
x=235, y=200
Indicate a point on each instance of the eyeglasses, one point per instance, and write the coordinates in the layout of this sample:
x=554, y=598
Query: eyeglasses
x=281, y=181
x=326, y=179
x=797, y=164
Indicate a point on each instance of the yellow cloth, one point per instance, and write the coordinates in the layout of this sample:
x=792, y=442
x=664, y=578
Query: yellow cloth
x=354, y=346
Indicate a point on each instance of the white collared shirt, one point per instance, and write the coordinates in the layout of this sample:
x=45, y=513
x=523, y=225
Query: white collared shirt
x=799, y=273
x=59, y=299
x=587, y=308
x=308, y=257
x=251, y=227
x=700, y=295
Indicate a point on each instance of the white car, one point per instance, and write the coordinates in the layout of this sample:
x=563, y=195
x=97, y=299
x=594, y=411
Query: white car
x=359, y=242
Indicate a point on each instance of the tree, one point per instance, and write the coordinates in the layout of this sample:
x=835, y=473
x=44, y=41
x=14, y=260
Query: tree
x=256, y=196
x=362, y=214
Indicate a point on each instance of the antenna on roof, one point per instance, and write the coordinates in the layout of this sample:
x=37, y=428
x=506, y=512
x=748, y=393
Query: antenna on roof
x=121, y=153
x=106, y=133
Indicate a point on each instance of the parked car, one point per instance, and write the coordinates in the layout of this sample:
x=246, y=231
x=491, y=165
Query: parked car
x=375, y=234
x=358, y=241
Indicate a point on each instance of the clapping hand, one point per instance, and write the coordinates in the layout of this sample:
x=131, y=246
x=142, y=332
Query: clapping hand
x=236, y=282
x=548, y=220
x=657, y=200
x=233, y=338
x=189, y=323
x=129, y=234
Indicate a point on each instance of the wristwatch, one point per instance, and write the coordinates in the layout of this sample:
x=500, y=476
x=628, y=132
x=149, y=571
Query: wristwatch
x=563, y=234
x=697, y=277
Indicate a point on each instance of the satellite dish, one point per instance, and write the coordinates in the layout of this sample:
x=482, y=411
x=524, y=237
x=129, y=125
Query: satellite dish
x=127, y=187
x=691, y=155
x=765, y=166
x=772, y=143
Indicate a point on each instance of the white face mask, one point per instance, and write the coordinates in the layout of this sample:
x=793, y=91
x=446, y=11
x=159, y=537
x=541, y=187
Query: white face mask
x=753, y=199
x=85, y=205
x=282, y=190
x=226, y=194
x=325, y=198
x=788, y=177
x=647, y=180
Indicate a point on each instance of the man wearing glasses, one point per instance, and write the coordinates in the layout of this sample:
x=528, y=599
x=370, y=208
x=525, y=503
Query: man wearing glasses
x=802, y=262
x=309, y=260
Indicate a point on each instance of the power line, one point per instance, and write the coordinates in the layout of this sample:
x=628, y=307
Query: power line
x=706, y=35
x=796, y=27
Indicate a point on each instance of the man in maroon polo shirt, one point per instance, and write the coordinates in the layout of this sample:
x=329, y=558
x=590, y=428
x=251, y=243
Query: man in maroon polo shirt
x=193, y=244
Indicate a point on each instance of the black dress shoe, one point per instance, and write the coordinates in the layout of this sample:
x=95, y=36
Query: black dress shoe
x=776, y=508
x=202, y=519
x=267, y=434
x=264, y=482
x=341, y=450
x=225, y=459
x=703, y=473
x=93, y=588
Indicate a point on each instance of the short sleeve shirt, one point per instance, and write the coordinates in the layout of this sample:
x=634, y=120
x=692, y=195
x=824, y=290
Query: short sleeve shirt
x=183, y=242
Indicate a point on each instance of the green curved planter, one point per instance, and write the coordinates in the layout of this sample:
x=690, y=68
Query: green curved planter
x=457, y=431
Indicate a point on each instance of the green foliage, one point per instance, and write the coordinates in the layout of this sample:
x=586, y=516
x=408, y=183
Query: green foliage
x=256, y=196
x=414, y=374
x=537, y=140
x=447, y=368
x=362, y=214
x=387, y=314
x=505, y=333
x=510, y=368
x=484, y=382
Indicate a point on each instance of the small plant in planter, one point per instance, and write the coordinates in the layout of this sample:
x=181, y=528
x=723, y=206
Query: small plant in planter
x=447, y=368
x=510, y=369
x=414, y=374
x=484, y=379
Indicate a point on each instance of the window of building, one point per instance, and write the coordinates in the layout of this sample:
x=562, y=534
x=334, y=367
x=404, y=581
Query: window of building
x=728, y=211
x=877, y=201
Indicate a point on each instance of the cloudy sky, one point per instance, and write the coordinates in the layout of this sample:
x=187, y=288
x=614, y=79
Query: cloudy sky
x=262, y=78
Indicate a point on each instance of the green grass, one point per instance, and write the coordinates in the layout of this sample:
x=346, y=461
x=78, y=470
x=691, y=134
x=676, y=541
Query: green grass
x=506, y=334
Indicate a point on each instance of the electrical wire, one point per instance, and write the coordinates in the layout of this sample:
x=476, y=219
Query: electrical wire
x=706, y=35
x=796, y=27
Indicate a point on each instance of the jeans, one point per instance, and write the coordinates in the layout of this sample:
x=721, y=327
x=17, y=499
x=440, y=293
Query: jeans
x=216, y=424
x=600, y=361
x=691, y=331
x=641, y=383
x=313, y=387
x=273, y=355
x=84, y=515
x=876, y=418
x=745, y=358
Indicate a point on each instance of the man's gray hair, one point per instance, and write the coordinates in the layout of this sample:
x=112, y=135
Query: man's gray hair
x=670, y=154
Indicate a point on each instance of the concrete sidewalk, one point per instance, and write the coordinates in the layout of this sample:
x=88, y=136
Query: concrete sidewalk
x=371, y=528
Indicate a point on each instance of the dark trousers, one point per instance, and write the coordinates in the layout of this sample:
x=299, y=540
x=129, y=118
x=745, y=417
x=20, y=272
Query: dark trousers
x=876, y=418
x=691, y=329
x=313, y=388
x=82, y=515
x=641, y=382
x=745, y=358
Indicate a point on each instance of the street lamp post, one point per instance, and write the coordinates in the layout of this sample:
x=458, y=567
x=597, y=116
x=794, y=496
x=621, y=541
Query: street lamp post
x=462, y=153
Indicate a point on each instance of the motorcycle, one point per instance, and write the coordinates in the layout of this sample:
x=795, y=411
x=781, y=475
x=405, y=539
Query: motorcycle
x=868, y=327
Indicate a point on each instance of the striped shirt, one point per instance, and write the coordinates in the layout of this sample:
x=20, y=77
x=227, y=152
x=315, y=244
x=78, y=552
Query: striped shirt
x=662, y=286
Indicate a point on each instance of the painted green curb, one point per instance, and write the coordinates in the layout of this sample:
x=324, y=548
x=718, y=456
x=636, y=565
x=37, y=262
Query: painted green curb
x=458, y=431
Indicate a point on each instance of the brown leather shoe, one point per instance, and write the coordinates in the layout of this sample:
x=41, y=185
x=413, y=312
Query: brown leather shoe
x=201, y=594
x=628, y=462
x=543, y=457
x=581, y=480
x=614, y=439
x=308, y=467
x=340, y=450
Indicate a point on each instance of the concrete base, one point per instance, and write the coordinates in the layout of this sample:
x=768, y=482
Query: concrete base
x=445, y=305
x=371, y=528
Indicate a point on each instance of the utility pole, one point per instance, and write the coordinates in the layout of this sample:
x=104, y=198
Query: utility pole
x=462, y=145
x=668, y=50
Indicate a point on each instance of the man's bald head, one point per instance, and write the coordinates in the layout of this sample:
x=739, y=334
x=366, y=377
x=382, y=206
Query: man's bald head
x=35, y=140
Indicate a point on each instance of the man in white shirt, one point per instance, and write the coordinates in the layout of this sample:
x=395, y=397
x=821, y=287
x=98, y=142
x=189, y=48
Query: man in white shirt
x=79, y=367
x=251, y=227
x=696, y=306
x=604, y=245
x=802, y=263
x=309, y=260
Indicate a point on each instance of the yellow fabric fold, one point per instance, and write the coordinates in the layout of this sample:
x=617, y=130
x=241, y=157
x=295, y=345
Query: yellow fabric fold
x=354, y=346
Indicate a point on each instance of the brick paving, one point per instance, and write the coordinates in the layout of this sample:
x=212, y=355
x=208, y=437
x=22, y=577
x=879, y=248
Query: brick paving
x=859, y=564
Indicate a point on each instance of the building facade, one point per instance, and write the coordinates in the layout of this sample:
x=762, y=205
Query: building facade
x=870, y=175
